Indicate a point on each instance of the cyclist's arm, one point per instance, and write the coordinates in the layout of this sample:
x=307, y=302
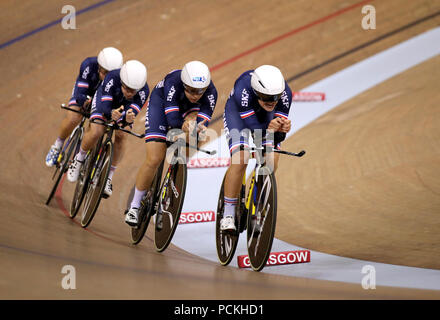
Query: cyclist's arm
x=139, y=100
x=208, y=105
x=83, y=85
x=282, y=110
x=171, y=105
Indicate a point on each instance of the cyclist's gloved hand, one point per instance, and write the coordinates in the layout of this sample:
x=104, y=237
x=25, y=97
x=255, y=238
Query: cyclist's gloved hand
x=129, y=116
x=285, y=125
x=117, y=113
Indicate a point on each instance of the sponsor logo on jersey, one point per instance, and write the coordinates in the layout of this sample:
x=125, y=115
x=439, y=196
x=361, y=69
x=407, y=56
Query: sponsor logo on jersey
x=143, y=97
x=85, y=72
x=211, y=101
x=244, y=98
x=171, y=93
x=108, y=85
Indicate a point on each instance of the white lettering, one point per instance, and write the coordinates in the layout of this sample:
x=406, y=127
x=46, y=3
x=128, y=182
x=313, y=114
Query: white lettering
x=244, y=98
x=369, y=280
x=69, y=280
x=171, y=93
x=69, y=21
x=369, y=21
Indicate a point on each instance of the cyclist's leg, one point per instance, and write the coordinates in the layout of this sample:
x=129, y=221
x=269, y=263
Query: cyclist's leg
x=71, y=120
x=69, y=123
x=235, y=172
x=95, y=131
x=155, y=137
x=93, y=134
x=238, y=140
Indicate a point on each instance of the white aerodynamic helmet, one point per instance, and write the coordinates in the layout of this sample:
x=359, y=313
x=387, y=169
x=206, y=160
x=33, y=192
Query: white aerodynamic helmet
x=268, y=82
x=110, y=58
x=134, y=74
x=196, y=74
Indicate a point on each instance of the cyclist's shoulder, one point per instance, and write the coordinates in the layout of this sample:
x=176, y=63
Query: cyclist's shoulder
x=90, y=62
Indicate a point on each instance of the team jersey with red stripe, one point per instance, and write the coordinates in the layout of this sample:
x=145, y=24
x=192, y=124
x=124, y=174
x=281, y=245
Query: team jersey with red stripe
x=168, y=106
x=109, y=96
x=244, y=113
x=86, y=83
x=177, y=106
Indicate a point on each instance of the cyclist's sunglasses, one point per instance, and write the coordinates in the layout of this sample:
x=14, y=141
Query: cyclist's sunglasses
x=192, y=90
x=267, y=98
x=102, y=70
x=130, y=90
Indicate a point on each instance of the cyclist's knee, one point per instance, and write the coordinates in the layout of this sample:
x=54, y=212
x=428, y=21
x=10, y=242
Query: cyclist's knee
x=119, y=137
x=155, y=154
x=96, y=131
x=73, y=117
x=240, y=158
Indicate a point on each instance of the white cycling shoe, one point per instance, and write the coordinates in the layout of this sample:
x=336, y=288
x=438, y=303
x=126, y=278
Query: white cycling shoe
x=131, y=217
x=74, y=169
x=227, y=223
x=108, y=189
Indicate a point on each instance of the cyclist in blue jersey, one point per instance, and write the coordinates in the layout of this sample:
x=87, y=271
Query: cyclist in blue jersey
x=259, y=102
x=121, y=97
x=91, y=73
x=185, y=99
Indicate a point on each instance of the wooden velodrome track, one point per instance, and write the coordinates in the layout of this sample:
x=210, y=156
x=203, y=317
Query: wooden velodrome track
x=369, y=187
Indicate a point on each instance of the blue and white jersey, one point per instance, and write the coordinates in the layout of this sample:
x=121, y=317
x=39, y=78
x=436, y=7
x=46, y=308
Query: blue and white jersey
x=86, y=83
x=109, y=96
x=242, y=111
x=168, y=106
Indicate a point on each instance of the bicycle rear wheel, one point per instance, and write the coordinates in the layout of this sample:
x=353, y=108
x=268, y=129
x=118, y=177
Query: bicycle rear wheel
x=262, y=219
x=172, y=194
x=65, y=159
x=147, y=208
x=97, y=182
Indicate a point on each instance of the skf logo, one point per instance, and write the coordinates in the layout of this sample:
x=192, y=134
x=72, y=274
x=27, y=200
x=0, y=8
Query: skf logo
x=244, y=98
x=108, y=86
x=285, y=99
x=171, y=93
x=211, y=101
x=85, y=73
x=142, y=96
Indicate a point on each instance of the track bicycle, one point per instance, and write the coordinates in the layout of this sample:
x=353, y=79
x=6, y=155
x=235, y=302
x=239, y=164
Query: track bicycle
x=256, y=212
x=164, y=199
x=94, y=173
x=69, y=150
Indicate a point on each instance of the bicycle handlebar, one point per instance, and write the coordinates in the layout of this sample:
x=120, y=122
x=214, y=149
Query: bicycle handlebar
x=81, y=111
x=180, y=141
x=299, y=154
x=113, y=125
x=294, y=154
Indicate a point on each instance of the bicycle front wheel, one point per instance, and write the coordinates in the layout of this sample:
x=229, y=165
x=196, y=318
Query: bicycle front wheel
x=147, y=208
x=65, y=159
x=170, y=200
x=261, y=218
x=98, y=179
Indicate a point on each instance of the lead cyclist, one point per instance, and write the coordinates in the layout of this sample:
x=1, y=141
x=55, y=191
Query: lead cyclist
x=259, y=102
